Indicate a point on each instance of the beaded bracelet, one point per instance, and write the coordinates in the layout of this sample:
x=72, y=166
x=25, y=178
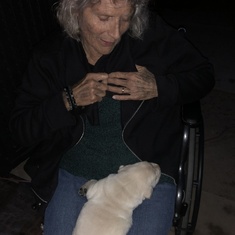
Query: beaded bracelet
x=70, y=98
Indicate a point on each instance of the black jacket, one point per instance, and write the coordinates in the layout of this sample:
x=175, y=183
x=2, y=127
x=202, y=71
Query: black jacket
x=152, y=129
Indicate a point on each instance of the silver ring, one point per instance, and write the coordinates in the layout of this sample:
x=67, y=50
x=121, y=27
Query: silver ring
x=123, y=89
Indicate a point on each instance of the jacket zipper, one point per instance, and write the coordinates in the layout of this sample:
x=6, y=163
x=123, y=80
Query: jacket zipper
x=83, y=124
x=125, y=128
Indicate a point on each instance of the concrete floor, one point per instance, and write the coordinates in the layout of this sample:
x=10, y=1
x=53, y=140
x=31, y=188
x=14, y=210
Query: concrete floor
x=213, y=32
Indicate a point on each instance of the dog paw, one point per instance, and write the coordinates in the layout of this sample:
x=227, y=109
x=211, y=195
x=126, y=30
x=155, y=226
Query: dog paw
x=83, y=191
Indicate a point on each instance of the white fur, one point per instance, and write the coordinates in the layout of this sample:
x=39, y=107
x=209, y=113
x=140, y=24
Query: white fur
x=111, y=200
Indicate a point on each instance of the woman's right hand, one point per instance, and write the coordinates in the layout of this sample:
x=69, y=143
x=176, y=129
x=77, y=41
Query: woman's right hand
x=90, y=90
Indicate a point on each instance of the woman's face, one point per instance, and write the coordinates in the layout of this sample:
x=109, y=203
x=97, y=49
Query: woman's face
x=102, y=25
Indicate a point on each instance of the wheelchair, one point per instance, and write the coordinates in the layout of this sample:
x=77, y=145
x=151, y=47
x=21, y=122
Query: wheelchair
x=190, y=175
x=189, y=183
x=190, y=172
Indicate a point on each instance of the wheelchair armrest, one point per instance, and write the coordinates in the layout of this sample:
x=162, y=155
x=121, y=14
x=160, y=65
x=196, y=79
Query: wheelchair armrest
x=192, y=119
x=191, y=114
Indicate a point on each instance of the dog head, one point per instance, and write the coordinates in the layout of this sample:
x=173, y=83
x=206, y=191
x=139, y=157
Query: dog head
x=140, y=177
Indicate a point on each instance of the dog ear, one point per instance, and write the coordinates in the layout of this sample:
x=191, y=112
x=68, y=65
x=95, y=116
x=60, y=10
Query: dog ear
x=148, y=192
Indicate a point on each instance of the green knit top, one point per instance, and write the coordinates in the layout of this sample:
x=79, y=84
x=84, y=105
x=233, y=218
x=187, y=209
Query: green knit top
x=102, y=149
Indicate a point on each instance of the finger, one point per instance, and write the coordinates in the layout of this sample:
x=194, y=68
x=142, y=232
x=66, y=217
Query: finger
x=119, y=90
x=101, y=86
x=99, y=77
x=122, y=97
x=89, y=92
x=94, y=84
x=120, y=75
x=95, y=96
x=117, y=82
x=139, y=68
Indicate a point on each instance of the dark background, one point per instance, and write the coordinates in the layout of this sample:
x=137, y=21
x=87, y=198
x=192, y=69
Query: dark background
x=210, y=25
x=24, y=23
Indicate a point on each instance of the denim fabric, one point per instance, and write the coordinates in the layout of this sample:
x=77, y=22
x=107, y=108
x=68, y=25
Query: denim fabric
x=154, y=216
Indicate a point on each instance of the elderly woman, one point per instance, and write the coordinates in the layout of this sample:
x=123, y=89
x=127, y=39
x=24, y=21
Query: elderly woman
x=106, y=92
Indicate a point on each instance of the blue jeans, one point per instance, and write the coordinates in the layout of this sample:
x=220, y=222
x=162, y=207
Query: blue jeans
x=153, y=216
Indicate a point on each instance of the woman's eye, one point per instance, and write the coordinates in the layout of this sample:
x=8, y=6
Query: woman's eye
x=126, y=19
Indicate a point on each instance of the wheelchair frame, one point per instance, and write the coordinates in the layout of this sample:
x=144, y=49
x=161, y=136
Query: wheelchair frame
x=189, y=186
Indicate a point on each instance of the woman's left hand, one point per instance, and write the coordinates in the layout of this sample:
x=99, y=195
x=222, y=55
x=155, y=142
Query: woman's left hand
x=139, y=85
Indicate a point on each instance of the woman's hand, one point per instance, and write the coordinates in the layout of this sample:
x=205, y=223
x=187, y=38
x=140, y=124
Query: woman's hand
x=90, y=90
x=139, y=85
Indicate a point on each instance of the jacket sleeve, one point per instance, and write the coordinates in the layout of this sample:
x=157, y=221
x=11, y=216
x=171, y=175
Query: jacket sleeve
x=39, y=108
x=182, y=73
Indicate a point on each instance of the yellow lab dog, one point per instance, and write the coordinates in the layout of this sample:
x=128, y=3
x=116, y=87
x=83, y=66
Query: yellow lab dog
x=111, y=200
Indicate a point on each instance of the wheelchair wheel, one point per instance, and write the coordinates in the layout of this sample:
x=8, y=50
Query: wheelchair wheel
x=193, y=169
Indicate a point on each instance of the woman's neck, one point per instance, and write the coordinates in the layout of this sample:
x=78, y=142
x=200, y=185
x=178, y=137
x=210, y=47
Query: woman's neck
x=92, y=57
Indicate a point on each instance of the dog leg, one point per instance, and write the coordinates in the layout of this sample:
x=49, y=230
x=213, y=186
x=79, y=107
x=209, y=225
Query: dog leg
x=83, y=190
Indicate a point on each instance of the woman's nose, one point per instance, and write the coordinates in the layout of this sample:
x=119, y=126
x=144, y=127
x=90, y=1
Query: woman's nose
x=114, y=29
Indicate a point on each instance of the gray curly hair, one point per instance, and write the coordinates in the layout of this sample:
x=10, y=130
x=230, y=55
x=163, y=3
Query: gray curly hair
x=67, y=11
